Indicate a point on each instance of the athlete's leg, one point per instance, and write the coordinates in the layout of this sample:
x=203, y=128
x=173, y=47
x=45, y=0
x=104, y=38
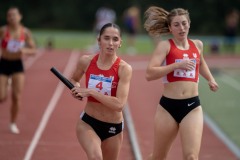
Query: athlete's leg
x=89, y=140
x=190, y=130
x=17, y=88
x=111, y=147
x=3, y=87
x=165, y=131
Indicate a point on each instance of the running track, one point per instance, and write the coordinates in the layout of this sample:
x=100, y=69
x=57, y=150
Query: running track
x=48, y=116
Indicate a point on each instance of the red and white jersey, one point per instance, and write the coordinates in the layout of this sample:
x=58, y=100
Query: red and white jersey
x=176, y=55
x=10, y=44
x=103, y=81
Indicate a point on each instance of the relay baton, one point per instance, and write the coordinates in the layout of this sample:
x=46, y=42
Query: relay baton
x=62, y=78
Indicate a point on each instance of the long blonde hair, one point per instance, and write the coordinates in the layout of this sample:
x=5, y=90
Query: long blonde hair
x=158, y=19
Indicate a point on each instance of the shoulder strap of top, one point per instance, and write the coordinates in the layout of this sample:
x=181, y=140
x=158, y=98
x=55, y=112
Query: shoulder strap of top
x=22, y=34
x=192, y=44
x=172, y=44
x=95, y=58
x=7, y=34
x=117, y=61
x=116, y=64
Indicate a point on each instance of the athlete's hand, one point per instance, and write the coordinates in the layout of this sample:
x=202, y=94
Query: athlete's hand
x=76, y=93
x=186, y=65
x=213, y=85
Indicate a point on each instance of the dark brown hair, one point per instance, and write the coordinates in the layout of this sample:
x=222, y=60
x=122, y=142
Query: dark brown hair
x=109, y=25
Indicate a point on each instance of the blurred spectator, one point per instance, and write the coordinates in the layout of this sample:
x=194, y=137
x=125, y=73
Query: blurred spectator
x=104, y=15
x=50, y=43
x=214, y=47
x=131, y=20
x=230, y=32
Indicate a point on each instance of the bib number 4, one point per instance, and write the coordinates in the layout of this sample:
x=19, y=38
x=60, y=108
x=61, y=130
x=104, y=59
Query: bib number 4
x=101, y=84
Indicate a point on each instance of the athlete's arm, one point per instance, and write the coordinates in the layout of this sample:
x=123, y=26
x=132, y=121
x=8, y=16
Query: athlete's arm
x=204, y=70
x=30, y=46
x=79, y=71
x=154, y=69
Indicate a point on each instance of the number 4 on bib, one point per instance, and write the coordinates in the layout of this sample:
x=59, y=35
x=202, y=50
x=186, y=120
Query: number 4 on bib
x=99, y=85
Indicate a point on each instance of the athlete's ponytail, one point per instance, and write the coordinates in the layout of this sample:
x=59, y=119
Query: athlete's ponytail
x=158, y=20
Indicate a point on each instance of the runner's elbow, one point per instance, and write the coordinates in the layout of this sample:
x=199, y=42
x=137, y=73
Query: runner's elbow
x=119, y=108
x=149, y=74
x=149, y=77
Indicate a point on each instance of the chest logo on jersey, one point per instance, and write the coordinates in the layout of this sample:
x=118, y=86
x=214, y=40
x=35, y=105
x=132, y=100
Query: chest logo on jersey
x=101, y=84
x=195, y=55
x=186, y=56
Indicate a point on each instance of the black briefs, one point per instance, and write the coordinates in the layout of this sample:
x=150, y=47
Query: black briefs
x=103, y=129
x=9, y=67
x=179, y=108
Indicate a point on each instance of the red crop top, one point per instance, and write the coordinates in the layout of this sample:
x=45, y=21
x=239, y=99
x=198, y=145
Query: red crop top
x=176, y=55
x=104, y=81
x=13, y=45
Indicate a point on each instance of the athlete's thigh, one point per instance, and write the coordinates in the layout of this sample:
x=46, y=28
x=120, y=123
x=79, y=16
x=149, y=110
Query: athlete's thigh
x=190, y=131
x=165, y=131
x=17, y=83
x=111, y=147
x=88, y=139
x=3, y=86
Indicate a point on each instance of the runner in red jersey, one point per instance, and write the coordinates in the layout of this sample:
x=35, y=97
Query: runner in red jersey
x=178, y=61
x=16, y=42
x=99, y=129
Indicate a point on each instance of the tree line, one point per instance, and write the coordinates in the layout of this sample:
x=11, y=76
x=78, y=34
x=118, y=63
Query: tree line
x=207, y=16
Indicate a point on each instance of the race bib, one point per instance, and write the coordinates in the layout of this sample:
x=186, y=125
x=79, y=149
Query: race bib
x=100, y=83
x=14, y=45
x=184, y=73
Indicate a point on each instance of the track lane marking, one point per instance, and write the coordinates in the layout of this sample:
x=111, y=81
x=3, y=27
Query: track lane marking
x=50, y=108
x=132, y=133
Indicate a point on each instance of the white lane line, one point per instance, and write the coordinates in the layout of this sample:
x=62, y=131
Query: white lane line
x=221, y=135
x=231, y=145
x=50, y=107
x=230, y=81
x=132, y=133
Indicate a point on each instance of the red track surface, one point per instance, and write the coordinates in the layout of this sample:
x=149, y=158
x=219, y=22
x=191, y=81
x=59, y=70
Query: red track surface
x=58, y=140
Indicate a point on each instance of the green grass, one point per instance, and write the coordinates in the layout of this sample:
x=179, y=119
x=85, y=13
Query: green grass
x=83, y=40
x=63, y=39
x=223, y=106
